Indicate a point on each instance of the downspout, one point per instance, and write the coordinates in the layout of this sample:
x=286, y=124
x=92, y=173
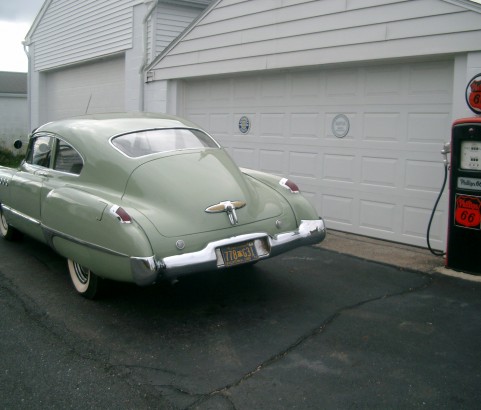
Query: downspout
x=145, y=27
x=25, y=45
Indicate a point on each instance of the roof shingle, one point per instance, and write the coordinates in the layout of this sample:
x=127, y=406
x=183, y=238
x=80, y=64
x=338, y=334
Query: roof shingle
x=13, y=83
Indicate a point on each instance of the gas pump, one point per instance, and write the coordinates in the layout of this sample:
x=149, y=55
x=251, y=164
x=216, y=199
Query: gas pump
x=464, y=226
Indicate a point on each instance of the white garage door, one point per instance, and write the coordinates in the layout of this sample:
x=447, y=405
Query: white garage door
x=381, y=179
x=89, y=88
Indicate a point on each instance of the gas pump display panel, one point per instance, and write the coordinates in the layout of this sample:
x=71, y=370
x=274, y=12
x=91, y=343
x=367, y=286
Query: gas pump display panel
x=471, y=155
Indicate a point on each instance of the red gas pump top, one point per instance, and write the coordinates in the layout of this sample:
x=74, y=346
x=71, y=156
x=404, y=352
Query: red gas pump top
x=468, y=119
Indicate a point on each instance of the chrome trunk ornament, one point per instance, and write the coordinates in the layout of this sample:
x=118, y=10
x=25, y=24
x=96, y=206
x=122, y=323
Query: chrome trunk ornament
x=229, y=207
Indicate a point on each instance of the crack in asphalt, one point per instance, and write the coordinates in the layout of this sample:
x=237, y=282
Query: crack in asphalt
x=42, y=318
x=28, y=306
x=303, y=339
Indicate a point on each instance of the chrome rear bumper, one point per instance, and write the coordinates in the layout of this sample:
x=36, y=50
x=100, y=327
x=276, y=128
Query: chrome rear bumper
x=146, y=271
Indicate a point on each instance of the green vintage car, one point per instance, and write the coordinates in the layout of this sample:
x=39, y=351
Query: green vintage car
x=145, y=197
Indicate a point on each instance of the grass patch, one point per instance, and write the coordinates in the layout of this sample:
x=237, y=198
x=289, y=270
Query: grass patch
x=9, y=159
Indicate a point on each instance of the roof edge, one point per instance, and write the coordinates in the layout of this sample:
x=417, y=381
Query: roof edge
x=35, y=23
x=179, y=38
x=468, y=4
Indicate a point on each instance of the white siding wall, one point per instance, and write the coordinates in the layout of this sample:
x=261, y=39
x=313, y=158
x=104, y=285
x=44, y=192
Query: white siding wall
x=70, y=32
x=240, y=35
x=171, y=21
x=167, y=22
x=13, y=119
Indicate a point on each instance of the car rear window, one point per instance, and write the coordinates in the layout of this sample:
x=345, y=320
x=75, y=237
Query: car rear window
x=141, y=143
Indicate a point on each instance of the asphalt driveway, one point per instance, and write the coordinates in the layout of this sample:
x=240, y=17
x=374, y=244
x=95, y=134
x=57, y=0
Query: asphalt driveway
x=311, y=329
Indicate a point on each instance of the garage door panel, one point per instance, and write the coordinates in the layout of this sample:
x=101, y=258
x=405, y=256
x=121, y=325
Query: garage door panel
x=272, y=127
x=382, y=82
x=428, y=128
x=380, y=172
x=339, y=211
x=423, y=175
x=304, y=127
x=431, y=82
x=220, y=123
x=339, y=167
x=382, y=178
x=415, y=223
x=272, y=161
x=383, y=127
x=342, y=85
x=245, y=91
x=376, y=215
x=304, y=165
x=96, y=87
x=245, y=157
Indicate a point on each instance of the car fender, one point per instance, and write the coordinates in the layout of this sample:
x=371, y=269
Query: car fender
x=81, y=226
x=302, y=208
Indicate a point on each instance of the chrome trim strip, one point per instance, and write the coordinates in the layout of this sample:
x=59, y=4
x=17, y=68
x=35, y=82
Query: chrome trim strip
x=21, y=215
x=52, y=233
x=49, y=234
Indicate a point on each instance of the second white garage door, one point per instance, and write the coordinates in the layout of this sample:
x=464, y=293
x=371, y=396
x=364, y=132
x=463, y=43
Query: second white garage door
x=91, y=88
x=363, y=143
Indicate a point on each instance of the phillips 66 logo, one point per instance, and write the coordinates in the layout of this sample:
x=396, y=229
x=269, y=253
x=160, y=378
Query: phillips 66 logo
x=468, y=211
x=473, y=94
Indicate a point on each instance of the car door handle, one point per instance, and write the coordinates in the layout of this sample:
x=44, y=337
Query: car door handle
x=43, y=173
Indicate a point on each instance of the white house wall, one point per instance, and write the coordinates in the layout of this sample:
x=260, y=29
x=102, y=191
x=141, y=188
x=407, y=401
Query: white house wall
x=166, y=22
x=171, y=20
x=13, y=119
x=239, y=35
x=69, y=32
x=80, y=36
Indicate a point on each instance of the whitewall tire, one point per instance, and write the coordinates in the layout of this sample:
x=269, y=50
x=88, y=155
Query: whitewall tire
x=6, y=231
x=85, y=282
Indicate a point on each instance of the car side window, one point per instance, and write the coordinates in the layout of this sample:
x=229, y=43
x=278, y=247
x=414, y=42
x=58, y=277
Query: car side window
x=67, y=159
x=40, y=151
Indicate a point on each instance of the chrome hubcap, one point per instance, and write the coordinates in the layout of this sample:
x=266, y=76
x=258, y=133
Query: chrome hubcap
x=81, y=273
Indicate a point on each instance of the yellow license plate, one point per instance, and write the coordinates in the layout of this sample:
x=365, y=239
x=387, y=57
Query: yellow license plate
x=238, y=254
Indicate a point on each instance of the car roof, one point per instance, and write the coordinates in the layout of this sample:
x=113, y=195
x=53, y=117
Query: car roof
x=104, y=126
x=91, y=134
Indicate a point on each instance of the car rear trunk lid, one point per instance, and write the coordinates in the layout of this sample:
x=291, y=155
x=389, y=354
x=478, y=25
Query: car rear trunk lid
x=190, y=192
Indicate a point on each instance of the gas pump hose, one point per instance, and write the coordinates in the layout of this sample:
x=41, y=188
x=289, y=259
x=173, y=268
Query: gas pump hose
x=433, y=251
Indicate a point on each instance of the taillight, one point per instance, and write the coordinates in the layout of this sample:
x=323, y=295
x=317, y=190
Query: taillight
x=121, y=214
x=288, y=184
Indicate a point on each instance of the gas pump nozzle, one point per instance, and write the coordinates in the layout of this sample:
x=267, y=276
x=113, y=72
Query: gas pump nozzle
x=445, y=151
